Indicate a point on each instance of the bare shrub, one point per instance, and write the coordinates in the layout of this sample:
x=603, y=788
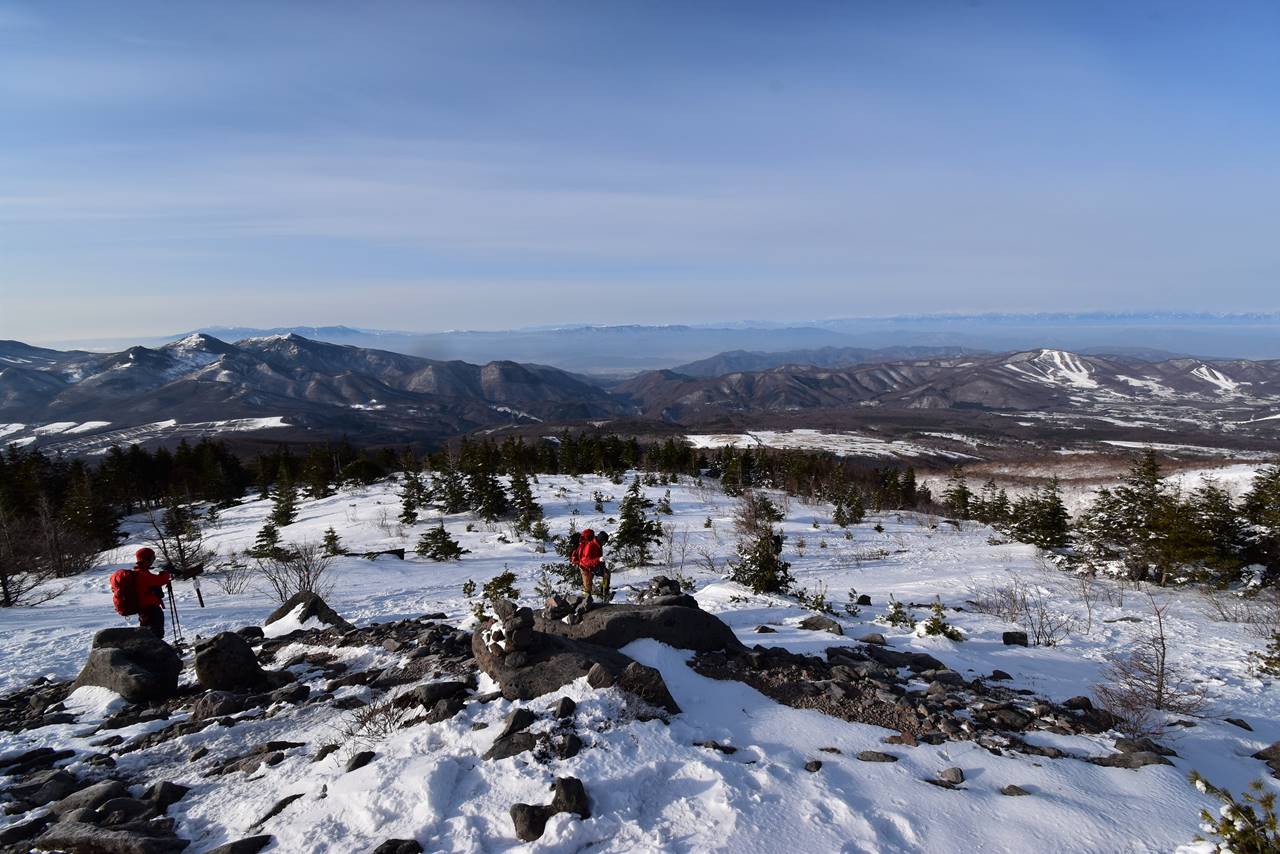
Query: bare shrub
x=303, y=568
x=26, y=578
x=1142, y=683
x=179, y=537
x=233, y=576
x=1027, y=606
x=706, y=561
x=368, y=725
x=1259, y=613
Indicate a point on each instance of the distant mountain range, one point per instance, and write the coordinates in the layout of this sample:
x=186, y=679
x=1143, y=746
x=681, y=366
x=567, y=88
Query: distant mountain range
x=629, y=349
x=291, y=388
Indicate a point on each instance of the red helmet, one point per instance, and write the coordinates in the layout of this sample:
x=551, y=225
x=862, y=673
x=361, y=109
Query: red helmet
x=588, y=534
x=145, y=556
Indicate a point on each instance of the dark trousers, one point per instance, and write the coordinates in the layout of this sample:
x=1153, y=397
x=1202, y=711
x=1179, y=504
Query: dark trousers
x=152, y=618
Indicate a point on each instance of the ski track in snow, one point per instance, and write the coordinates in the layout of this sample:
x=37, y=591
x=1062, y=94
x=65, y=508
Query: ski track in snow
x=651, y=790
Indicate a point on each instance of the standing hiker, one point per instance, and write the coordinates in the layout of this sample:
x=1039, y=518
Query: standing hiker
x=140, y=591
x=589, y=558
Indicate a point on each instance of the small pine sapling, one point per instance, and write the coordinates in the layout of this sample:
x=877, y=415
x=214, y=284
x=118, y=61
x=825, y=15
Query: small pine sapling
x=898, y=615
x=1267, y=662
x=937, y=623
x=332, y=543
x=1244, y=826
x=436, y=544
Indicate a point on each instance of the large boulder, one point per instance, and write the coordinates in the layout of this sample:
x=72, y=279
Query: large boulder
x=309, y=606
x=134, y=663
x=616, y=626
x=548, y=663
x=225, y=662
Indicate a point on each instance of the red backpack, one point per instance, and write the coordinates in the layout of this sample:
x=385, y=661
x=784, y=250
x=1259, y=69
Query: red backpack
x=124, y=592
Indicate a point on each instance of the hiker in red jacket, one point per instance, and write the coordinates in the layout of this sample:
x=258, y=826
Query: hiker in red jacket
x=150, y=590
x=588, y=557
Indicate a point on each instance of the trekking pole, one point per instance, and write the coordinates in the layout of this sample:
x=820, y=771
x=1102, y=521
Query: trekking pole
x=173, y=611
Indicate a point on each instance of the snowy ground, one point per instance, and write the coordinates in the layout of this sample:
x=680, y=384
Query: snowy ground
x=651, y=789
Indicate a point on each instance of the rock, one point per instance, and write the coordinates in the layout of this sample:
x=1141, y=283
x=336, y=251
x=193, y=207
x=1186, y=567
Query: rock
x=392, y=645
x=874, y=638
x=520, y=719
x=999, y=676
x=399, y=846
x=1014, y=791
x=813, y=765
x=529, y=821
x=765, y=630
x=1078, y=704
x=251, y=633
x=430, y=694
x=1270, y=753
x=325, y=751
x=570, y=796
x=819, y=623
x=1240, y=722
x=1140, y=759
x=226, y=662
x=165, y=794
x=1142, y=745
x=647, y=683
x=569, y=747
x=711, y=744
x=218, y=704
x=90, y=797
x=512, y=745
x=361, y=759
x=248, y=845
x=600, y=676
x=864, y=599
x=876, y=756
x=445, y=709
x=552, y=663
x=917, y=661
x=1014, y=638
x=44, y=787
x=954, y=776
x=78, y=838
x=564, y=708
x=615, y=626
x=23, y=831
x=134, y=663
x=309, y=606
x=291, y=694
x=277, y=808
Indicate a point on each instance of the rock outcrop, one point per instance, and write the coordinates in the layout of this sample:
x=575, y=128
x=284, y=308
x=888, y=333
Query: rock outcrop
x=312, y=608
x=134, y=663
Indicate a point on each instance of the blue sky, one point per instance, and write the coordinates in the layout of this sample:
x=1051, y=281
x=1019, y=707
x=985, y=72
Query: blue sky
x=487, y=165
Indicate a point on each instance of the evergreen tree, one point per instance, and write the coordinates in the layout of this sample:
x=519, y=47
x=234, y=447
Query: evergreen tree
x=1041, y=518
x=436, y=544
x=485, y=493
x=451, y=489
x=854, y=508
x=956, y=496
x=528, y=511
x=267, y=543
x=1261, y=509
x=636, y=532
x=411, y=495
x=839, y=517
x=664, y=504
x=284, y=508
x=759, y=564
x=332, y=543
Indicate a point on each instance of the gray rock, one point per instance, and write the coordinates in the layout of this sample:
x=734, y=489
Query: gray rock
x=90, y=797
x=864, y=599
x=1270, y=753
x=44, y=787
x=23, y=831
x=1140, y=759
x=248, y=845
x=165, y=794
x=361, y=759
x=445, y=709
x=917, y=661
x=876, y=756
x=512, y=745
x=874, y=638
x=813, y=765
x=615, y=626
x=569, y=747
x=765, y=630
x=570, y=796
x=226, y=662
x=647, y=684
x=1142, y=745
x=999, y=676
x=954, y=776
x=518, y=720
x=1240, y=722
x=1014, y=638
x=1014, y=791
x=529, y=821
x=313, y=607
x=1078, y=704
x=79, y=838
x=819, y=623
x=430, y=694
x=134, y=663
x=565, y=708
x=553, y=662
x=399, y=846
x=277, y=808
x=218, y=704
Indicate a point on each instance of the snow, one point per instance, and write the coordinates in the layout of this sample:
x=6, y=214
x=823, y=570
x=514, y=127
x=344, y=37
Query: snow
x=93, y=703
x=10, y=429
x=1156, y=388
x=1213, y=376
x=88, y=427
x=1056, y=367
x=651, y=790
x=290, y=623
x=54, y=428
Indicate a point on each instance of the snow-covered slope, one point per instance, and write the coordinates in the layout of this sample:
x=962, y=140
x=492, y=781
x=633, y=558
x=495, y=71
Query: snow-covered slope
x=651, y=788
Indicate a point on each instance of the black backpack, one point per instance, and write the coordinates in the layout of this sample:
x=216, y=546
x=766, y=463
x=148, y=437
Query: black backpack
x=602, y=538
x=574, y=539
